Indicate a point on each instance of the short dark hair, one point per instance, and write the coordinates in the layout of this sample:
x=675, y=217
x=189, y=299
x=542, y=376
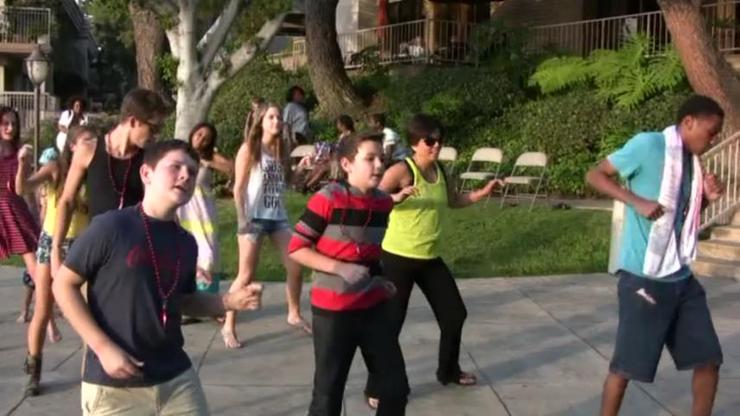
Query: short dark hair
x=292, y=90
x=699, y=106
x=378, y=118
x=346, y=121
x=144, y=105
x=422, y=126
x=156, y=151
x=256, y=99
x=347, y=148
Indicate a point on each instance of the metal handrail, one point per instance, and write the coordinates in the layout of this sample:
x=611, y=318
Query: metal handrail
x=723, y=160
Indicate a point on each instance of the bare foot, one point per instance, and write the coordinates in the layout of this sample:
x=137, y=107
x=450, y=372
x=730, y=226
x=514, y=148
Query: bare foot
x=372, y=402
x=52, y=333
x=300, y=324
x=23, y=317
x=467, y=379
x=230, y=339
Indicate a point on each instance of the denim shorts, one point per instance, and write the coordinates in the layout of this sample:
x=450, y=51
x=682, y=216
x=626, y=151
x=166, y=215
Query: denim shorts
x=43, y=252
x=653, y=314
x=258, y=227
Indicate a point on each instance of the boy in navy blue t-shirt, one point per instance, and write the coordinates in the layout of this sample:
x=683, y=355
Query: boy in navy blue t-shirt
x=140, y=268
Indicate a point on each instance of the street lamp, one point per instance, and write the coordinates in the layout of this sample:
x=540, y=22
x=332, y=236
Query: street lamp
x=37, y=67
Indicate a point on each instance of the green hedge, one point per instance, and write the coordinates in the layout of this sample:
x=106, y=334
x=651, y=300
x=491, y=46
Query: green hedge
x=463, y=98
x=478, y=107
x=576, y=130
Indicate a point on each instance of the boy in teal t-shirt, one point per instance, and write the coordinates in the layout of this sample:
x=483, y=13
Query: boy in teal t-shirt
x=660, y=310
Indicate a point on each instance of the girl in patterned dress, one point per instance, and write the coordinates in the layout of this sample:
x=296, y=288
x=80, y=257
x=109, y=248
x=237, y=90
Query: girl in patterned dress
x=198, y=216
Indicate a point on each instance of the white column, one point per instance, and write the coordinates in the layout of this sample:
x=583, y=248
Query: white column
x=616, y=236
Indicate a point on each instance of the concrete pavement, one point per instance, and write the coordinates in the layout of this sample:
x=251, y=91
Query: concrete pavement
x=539, y=345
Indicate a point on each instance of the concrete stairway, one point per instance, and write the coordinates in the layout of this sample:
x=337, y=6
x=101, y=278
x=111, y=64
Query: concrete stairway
x=720, y=255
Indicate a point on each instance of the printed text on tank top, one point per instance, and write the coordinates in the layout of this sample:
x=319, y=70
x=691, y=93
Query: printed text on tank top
x=122, y=192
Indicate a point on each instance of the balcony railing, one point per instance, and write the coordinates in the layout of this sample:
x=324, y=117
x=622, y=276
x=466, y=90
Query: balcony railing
x=436, y=41
x=426, y=40
x=585, y=36
x=293, y=59
x=25, y=25
x=23, y=102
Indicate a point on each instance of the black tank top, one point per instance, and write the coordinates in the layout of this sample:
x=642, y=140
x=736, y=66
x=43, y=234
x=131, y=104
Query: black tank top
x=102, y=194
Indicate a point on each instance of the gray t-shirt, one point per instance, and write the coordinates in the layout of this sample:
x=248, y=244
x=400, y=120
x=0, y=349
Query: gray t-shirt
x=114, y=258
x=295, y=117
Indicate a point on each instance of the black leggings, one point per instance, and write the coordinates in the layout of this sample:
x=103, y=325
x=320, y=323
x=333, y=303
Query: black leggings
x=439, y=287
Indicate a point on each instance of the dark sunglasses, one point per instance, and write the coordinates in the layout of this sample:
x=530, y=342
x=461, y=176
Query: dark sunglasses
x=431, y=141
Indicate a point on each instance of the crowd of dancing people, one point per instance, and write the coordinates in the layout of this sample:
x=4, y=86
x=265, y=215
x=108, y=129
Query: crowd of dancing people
x=118, y=228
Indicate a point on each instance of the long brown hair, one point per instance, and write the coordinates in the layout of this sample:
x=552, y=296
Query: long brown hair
x=253, y=139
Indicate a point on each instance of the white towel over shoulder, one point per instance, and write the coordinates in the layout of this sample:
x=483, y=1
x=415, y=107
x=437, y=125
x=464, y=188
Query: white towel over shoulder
x=665, y=255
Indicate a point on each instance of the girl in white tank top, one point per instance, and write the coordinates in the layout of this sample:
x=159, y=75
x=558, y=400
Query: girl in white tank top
x=258, y=195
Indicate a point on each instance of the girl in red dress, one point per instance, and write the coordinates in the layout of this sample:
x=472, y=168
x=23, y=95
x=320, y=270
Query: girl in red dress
x=19, y=230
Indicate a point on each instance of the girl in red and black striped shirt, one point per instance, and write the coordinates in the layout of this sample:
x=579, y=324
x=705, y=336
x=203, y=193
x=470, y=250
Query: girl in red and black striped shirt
x=339, y=237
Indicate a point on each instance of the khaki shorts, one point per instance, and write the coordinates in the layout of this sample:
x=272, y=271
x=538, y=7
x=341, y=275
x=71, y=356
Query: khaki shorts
x=182, y=395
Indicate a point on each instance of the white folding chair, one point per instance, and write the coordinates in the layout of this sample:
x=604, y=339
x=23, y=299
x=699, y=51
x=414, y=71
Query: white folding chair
x=299, y=152
x=447, y=154
x=447, y=158
x=528, y=160
x=484, y=157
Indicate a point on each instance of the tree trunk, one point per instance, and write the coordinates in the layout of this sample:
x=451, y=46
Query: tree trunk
x=192, y=108
x=706, y=68
x=325, y=67
x=148, y=40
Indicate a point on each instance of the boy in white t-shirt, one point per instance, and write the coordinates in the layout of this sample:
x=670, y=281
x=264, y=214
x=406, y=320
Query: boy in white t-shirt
x=394, y=149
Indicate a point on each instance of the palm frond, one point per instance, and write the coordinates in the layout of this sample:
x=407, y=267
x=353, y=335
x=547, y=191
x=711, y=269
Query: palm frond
x=556, y=74
x=668, y=69
x=625, y=77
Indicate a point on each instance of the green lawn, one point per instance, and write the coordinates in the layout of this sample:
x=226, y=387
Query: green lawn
x=480, y=241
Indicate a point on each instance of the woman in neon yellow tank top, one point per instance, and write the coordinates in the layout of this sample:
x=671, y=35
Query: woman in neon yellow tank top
x=52, y=175
x=411, y=252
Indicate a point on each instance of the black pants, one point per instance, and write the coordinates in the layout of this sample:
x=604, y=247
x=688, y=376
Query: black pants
x=336, y=336
x=439, y=287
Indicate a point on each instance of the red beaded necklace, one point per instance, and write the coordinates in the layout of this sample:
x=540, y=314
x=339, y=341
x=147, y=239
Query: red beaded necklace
x=164, y=295
x=122, y=192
